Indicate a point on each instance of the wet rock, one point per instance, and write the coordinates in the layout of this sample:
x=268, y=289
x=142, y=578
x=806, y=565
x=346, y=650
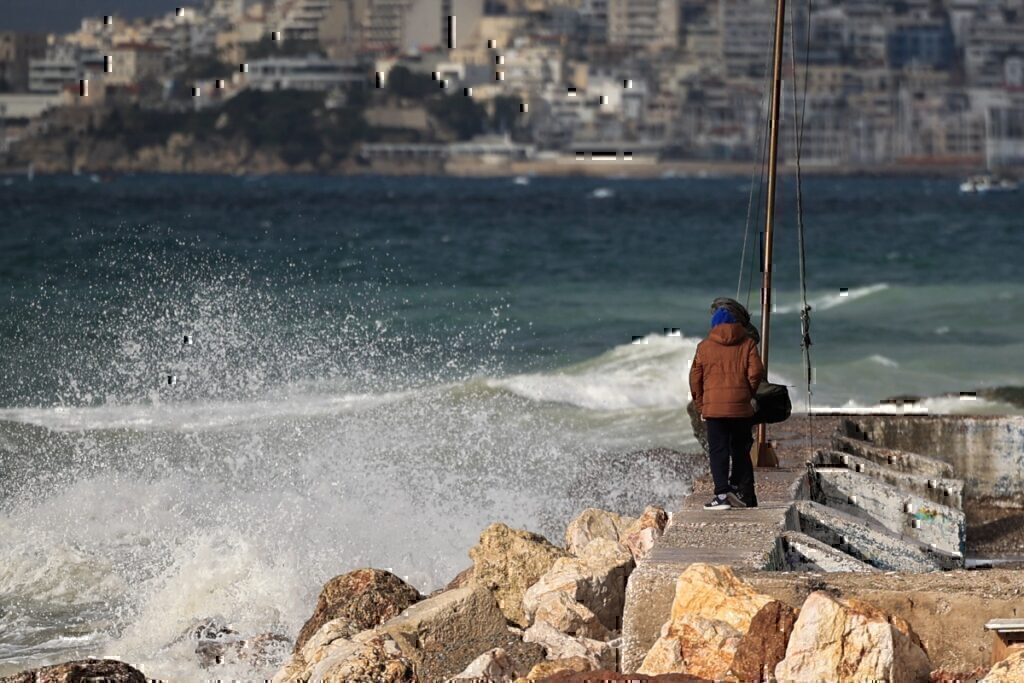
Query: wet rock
x=714, y=592
x=594, y=523
x=493, y=666
x=507, y=562
x=764, y=645
x=694, y=645
x=558, y=645
x=641, y=534
x=569, y=665
x=596, y=579
x=443, y=634
x=81, y=671
x=568, y=616
x=836, y=639
x=364, y=597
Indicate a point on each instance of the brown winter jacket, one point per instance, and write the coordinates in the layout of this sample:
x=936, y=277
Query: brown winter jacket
x=725, y=373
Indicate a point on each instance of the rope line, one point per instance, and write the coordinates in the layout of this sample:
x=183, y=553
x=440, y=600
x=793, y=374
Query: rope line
x=762, y=142
x=799, y=117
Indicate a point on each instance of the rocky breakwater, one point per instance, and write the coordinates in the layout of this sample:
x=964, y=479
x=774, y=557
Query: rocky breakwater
x=529, y=610
x=526, y=610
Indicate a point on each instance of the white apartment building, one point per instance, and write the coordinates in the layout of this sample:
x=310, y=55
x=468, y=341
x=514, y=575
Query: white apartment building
x=303, y=73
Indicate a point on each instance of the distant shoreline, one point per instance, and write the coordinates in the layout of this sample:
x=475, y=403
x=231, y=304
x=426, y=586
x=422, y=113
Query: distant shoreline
x=561, y=167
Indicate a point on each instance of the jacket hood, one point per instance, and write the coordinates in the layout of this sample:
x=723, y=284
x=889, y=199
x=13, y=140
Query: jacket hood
x=728, y=334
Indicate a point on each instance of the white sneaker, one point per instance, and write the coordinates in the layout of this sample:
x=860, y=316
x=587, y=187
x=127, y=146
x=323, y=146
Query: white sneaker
x=717, y=503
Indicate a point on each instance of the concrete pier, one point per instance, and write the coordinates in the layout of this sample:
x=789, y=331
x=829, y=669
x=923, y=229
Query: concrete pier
x=851, y=495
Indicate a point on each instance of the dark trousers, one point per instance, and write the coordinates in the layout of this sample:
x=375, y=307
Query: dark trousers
x=729, y=441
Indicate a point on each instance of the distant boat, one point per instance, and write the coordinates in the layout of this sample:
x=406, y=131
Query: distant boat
x=521, y=180
x=603, y=193
x=984, y=184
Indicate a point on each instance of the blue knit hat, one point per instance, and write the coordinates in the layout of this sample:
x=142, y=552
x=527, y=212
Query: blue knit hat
x=722, y=316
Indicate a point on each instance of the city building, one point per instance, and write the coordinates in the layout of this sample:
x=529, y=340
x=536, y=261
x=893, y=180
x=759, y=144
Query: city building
x=646, y=24
x=16, y=49
x=304, y=73
x=133, y=63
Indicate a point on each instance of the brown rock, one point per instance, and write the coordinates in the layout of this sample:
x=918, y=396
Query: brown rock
x=1009, y=670
x=594, y=523
x=694, y=645
x=568, y=665
x=640, y=536
x=604, y=675
x=764, y=645
x=80, y=671
x=364, y=597
x=836, y=639
x=714, y=592
x=507, y=562
x=461, y=579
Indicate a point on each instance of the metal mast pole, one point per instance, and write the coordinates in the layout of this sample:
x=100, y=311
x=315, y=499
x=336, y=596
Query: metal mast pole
x=765, y=457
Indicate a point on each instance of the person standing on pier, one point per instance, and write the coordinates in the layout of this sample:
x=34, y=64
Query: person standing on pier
x=724, y=377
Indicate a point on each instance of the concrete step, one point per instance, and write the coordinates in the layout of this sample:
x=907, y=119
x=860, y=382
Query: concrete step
x=869, y=541
x=943, y=490
x=808, y=554
x=895, y=508
x=901, y=461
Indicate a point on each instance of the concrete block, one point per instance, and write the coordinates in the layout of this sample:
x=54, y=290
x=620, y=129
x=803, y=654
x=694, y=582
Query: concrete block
x=869, y=541
x=898, y=510
x=893, y=458
x=987, y=452
x=943, y=490
x=804, y=553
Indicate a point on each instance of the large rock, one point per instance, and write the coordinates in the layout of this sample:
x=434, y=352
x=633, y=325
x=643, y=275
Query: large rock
x=641, y=534
x=694, y=645
x=606, y=676
x=493, y=666
x=764, y=645
x=560, y=610
x=1009, y=670
x=550, y=668
x=835, y=639
x=369, y=657
x=507, y=562
x=711, y=611
x=714, y=592
x=594, y=523
x=596, y=579
x=79, y=671
x=558, y=645
x=364, y=597
x=443, y=634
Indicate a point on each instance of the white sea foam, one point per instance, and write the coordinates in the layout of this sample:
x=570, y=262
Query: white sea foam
x=189, y=416
x=884, y=361
x=823, y=303
x=650, y=373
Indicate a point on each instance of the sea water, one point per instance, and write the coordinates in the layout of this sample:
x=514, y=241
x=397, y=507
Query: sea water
x=217, y=393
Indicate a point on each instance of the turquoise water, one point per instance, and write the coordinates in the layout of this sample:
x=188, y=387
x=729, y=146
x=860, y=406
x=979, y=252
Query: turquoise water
x=377, y=368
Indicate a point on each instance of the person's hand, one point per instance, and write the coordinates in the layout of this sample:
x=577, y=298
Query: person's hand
x=702, y=419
